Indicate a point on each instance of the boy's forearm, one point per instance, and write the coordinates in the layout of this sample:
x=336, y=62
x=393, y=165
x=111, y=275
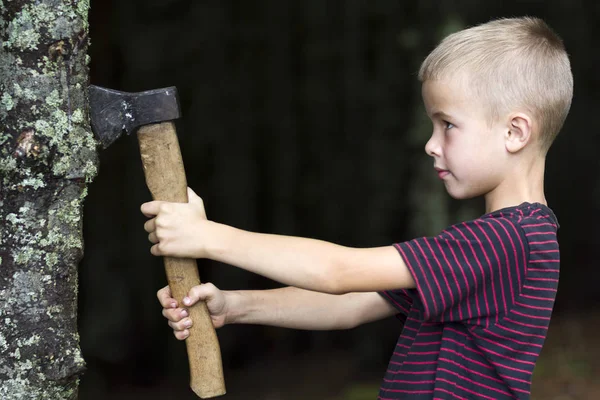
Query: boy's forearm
x=287, y=307
x=296, y=308
x=299, y=262
x=308, y=263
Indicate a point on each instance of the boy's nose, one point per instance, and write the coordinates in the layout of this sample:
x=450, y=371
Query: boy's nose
x=432, y=148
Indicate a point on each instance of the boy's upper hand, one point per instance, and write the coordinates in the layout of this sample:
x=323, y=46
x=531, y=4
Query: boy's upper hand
x=175, y=229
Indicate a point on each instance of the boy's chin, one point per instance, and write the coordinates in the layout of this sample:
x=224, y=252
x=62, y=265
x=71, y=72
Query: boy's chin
x=462, y=194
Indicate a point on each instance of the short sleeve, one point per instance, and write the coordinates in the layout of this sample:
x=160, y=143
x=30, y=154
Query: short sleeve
x=400, y=299
x=471, y=272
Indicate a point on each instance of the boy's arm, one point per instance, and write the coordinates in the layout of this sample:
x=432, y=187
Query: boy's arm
x=287, y=307
x=182, y=230
x=296, y=308
x=308, y=263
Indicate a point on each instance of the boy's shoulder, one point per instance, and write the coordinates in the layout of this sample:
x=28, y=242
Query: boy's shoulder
x=524, y=223
x=525, y=214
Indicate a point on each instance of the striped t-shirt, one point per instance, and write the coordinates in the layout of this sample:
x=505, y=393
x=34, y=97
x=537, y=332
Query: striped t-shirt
x=476, y=322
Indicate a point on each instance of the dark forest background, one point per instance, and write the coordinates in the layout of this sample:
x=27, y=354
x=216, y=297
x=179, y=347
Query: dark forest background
x=305, y=118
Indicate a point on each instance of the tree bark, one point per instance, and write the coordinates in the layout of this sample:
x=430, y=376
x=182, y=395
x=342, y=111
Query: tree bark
x=47, y=157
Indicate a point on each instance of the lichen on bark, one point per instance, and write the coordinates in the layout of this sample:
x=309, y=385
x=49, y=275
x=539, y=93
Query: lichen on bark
x=47, y=157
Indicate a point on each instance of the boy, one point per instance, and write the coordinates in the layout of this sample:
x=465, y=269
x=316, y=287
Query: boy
x=476, y=300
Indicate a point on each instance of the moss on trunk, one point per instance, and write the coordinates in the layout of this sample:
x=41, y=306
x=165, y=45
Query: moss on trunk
x=47, y=157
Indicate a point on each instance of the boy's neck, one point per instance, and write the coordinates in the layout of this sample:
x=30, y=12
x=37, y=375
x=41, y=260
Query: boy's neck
x=524, y=184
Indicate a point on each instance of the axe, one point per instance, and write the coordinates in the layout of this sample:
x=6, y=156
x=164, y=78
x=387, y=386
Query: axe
x=151, y=113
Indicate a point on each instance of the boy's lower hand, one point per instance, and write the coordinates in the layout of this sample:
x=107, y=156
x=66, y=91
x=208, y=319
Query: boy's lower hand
x=177, y=314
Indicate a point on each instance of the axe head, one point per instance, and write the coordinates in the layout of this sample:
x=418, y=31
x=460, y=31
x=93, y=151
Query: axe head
x=112, y=111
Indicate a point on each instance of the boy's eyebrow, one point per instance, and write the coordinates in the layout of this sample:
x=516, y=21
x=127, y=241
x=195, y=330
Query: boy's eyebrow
x=440, y=114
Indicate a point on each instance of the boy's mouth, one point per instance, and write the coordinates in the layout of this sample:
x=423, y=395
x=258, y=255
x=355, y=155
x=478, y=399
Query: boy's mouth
x=442, y=173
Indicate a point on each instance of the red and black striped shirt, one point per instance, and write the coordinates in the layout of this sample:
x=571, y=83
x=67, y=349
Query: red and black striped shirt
x=476, y=322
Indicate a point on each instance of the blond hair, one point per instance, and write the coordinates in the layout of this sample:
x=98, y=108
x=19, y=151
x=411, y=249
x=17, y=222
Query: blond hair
x=510, y=63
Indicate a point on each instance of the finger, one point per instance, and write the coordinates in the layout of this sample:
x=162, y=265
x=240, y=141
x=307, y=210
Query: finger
x=151, y=208
x=193, y=197
x=197, y=293
x=180, y=325
x=165, y=298
x=181, y=335
x=175, y=314
x=153, y=238
x=150, y=225
x=155, y=250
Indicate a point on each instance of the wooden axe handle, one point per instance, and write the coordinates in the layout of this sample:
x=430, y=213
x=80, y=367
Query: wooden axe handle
x=165, y=176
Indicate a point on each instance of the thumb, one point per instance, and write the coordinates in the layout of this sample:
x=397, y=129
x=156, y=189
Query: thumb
x=193, y=197
x=197, y=293
x=196, y=200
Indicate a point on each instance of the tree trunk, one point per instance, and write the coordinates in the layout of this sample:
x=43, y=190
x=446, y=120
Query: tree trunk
x=47, y=157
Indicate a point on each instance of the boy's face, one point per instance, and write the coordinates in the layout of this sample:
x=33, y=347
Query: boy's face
x=469, y=152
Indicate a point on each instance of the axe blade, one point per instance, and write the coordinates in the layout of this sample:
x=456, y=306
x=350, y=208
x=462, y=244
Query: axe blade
x=113, y=111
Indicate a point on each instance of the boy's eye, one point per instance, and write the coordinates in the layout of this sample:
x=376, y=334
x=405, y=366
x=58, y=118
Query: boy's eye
x=449, y=125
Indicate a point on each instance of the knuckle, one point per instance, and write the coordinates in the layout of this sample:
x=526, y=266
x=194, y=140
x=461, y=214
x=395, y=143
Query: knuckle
x=164, y=297
x=170, y=315
x=157, y=251
x=195, y=292
x=177, y=326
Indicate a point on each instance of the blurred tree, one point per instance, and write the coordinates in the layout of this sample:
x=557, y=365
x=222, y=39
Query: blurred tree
x=47, y=157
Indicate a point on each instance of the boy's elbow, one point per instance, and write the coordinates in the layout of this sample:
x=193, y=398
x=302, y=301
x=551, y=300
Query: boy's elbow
x=353, y=321
x=330, y=285
x=334, y=280
x=335, y=288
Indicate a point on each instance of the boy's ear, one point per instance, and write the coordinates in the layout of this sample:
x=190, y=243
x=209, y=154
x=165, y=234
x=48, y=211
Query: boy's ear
x=519, y=132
